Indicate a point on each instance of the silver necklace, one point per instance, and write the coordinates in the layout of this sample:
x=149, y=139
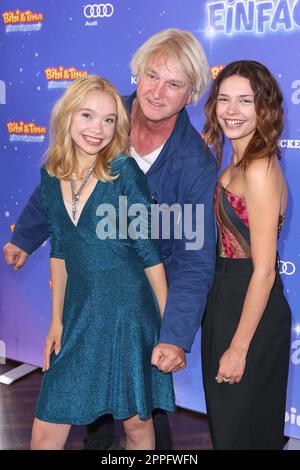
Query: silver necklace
x=76, y=194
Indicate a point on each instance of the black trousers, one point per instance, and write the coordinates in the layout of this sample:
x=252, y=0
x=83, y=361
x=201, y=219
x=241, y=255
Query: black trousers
x=101, y=433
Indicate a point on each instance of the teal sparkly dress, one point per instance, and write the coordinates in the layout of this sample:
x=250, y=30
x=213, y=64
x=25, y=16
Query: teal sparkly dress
x=111, y=320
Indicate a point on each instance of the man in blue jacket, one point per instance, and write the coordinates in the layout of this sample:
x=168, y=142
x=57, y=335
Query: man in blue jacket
x=172, y=72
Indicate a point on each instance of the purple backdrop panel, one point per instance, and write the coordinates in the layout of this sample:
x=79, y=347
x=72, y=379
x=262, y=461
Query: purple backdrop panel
x=46, y=45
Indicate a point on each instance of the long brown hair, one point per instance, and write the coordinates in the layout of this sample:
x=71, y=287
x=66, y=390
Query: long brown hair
x=268, y=107
x=60, y=159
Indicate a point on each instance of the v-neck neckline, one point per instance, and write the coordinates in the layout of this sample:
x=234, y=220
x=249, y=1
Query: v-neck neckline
x=84, y=206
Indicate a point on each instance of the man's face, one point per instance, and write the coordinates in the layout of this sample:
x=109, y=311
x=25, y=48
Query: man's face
x=163, y=89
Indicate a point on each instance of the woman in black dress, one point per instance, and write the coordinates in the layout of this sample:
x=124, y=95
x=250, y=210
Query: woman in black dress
x=246, y=329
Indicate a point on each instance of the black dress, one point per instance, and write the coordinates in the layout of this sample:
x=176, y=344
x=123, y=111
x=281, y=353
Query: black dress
x=250, y=414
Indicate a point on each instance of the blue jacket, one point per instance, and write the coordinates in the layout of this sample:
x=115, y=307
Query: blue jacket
x=183, y=173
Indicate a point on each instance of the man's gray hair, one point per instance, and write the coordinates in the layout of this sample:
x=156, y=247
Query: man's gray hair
x=184, y=49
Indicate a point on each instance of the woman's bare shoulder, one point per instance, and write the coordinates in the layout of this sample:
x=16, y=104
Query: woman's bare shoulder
x=263, y=169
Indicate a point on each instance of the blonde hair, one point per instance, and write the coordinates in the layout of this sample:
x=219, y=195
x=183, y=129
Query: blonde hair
x=60, y=159
x=181, y=47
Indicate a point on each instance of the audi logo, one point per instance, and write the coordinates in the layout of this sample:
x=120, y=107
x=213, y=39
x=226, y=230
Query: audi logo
x=287, y=267
x=101, y=10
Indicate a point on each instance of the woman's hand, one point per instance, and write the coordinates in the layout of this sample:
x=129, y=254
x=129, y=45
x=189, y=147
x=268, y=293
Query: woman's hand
x=232, y=366
x=52, y=343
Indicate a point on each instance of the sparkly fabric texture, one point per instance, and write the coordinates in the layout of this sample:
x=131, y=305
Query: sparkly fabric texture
x=110, y=317
x=233, y=224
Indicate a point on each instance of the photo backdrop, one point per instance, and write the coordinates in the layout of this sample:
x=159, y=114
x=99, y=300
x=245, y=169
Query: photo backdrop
x=44, y=46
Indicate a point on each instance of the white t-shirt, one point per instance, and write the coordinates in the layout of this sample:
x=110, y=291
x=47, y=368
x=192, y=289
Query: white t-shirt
x=146, y=161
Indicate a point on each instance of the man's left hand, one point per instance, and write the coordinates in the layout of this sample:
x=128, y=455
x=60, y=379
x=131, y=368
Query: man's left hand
x=168, y=357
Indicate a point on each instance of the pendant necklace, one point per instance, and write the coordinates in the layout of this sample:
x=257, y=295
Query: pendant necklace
x=76, y=194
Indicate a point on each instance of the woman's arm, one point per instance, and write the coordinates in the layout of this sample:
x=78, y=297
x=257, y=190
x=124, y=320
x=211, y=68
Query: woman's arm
x=167, y=357
x=58, y=283
x=157, y=277
x=263, y=200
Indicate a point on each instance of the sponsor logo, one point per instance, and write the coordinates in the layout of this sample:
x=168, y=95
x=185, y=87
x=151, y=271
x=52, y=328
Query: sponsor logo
x=286, y=267
x=60, y=77
x=101, y=10
x=292, y=417
x=289, y=144
x=20, y=131
x=296, y=94
x=22, y=21
x=2, y=92
x=250, y=16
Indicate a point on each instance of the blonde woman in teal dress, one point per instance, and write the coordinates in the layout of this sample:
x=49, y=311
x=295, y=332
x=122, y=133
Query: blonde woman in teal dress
x=108, y=294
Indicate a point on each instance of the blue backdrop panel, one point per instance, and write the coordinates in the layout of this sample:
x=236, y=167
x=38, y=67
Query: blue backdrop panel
x=45, y=45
